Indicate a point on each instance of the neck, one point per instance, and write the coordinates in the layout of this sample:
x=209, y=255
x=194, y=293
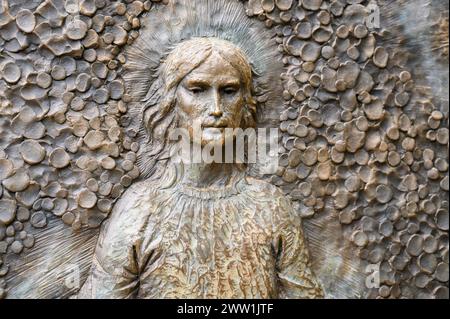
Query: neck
x=209, y=175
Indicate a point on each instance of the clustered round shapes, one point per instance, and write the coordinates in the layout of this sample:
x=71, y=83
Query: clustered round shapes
x=359, y=140
x=65, y=148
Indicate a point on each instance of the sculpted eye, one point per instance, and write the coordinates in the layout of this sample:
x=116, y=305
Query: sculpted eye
x=230, y=90
x=196, y=89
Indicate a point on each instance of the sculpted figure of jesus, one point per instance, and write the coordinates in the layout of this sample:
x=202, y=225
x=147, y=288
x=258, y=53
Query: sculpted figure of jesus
x=206, y=230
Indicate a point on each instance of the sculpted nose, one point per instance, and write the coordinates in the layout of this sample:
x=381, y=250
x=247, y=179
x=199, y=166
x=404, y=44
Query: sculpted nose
x=216, y=107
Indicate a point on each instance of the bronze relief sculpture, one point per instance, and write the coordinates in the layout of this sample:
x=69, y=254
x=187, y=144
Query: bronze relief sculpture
x=93, y=203
x=214, y=232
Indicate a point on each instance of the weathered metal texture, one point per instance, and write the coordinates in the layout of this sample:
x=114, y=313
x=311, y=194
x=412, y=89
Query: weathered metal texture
x=363, y=111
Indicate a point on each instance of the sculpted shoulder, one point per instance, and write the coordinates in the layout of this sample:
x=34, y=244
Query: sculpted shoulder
x=281, y=206
x=265, y=188
x=136, y=199
x=135, y=194
x=130, y=211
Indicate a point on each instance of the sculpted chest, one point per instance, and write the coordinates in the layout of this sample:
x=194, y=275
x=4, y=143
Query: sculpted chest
x=217, y=247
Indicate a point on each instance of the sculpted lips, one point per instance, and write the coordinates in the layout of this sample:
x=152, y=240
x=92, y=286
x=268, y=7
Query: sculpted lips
x=213, y=123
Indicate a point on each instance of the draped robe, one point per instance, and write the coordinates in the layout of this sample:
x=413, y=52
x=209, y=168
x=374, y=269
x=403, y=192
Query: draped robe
x=240, y=241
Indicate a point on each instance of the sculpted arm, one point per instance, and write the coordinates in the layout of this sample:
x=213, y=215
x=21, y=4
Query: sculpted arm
x=296, y=279
x=114, y=271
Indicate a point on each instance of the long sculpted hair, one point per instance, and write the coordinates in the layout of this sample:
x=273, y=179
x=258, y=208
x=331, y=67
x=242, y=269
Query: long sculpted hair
x=159, y=112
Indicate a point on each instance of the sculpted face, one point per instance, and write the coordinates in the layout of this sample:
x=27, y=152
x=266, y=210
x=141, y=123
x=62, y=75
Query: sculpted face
x=212, y=94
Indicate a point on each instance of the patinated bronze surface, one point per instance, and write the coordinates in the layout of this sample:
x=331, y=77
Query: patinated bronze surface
x=214, y=232
x=93, y=205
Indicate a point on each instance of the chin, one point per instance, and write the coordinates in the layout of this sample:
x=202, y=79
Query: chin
x=215, y=139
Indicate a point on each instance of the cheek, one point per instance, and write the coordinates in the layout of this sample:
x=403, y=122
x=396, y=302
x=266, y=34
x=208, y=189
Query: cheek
x=235, y=106
x=189, y=108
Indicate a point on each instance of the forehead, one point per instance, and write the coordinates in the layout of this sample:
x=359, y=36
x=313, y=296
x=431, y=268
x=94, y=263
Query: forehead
x=214, y=70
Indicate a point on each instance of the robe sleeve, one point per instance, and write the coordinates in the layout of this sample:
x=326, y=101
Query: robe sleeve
x=115, y=273
x=295, y=277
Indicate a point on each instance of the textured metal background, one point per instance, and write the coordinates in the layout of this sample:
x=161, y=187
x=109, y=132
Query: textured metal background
x=364, y=149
